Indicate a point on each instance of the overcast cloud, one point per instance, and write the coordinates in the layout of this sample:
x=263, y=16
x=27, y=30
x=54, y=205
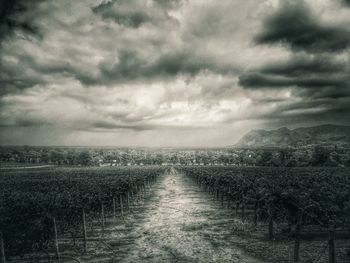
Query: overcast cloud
x=169, y=72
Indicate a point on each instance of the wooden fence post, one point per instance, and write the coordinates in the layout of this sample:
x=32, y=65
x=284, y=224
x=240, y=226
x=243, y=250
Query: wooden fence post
x=255, y=219
x=121, y=204
x=270, y=228
x=114, y=213
x=2, y=249
x=128, y=200
x=103, y=218
x=271, y=214
x=297, y=236
x=138, y=193
x=56, y=240
x=243, y=211
x=84, y=232
x=331, y=245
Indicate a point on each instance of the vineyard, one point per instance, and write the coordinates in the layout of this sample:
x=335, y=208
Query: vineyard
x=289, y=203
x=37, y=206
x=187, y=214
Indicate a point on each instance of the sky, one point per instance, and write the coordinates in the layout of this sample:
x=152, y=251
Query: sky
x=185, y=73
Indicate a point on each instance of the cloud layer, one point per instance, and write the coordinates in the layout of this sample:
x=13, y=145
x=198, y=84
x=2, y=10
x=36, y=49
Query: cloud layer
x=294, y=25
x=125, y=72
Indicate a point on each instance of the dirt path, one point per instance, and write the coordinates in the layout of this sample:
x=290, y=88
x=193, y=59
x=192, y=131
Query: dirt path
x=183, y=225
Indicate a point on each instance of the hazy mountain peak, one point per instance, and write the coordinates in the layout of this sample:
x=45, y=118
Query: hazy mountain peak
x=328, y=134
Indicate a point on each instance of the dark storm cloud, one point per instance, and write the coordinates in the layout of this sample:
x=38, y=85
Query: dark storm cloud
x=170, y=3
x=294, y=25
x=331, y=92
x=25, y=123
x=127, y=63
x=309, y=111
x=316, y=107
x=129, y=18
x=133, y=13
x=259, y=80
x=313, y=74
x=187, y=62
x=131, y=67
x=13, y=15
x=302, y=65
x=105, y=125
x=17, y=15
x=316, y=77
x=15, y=77
x=127, y=68
x=346, y=2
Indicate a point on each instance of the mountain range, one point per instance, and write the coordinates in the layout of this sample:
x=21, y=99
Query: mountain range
x=306, y=136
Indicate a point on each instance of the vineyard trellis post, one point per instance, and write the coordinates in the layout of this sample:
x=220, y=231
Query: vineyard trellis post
x=103, y=218
x=131, y=197
x=114, y=213
x=84, y=231
x=56, y=240
x=143, y=191
x=138, y=194
x=128, y=201
x=2, y=249
x=297, y=237
x=121, y=204
x=331, y=244
x=243, y=210
x=271, y=213
x=255, y=219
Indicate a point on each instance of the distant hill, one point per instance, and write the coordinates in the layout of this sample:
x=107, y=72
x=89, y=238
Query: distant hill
x=306, y=136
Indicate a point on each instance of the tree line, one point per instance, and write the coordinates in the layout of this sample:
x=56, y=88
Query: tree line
x=275, y=157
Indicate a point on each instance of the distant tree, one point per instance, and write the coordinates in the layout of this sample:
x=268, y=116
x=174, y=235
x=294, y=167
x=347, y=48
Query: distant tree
x=84, y=158
x=71, y=157
x=266, y=158
x=45, y=156
x=276, y=159
x=320, y=156
x=55, y=156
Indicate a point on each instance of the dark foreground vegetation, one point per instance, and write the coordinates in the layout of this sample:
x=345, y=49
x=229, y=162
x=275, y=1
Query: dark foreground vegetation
x=293, y=201
x=298, y=204
x=36, y=205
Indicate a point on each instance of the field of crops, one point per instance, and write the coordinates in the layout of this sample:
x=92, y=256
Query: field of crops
x=290, y=203
x=37, y=205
